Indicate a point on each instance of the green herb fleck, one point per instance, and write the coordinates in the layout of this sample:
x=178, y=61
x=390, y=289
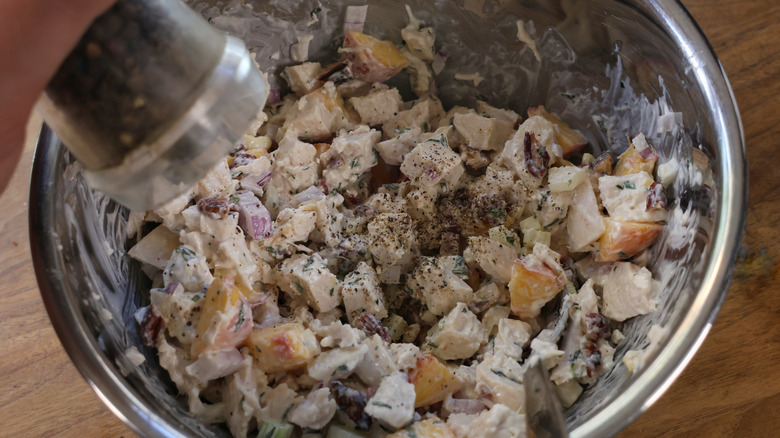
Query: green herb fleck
x=568, y=96
x=384, y=405
x=355, y=163
x=186, y=253
x=315, y=11
x=629, y=185
x=195, y=298
x=431, y=344
x=307, y=266
x=500, y=373
x=298, y=287
x=240, y=321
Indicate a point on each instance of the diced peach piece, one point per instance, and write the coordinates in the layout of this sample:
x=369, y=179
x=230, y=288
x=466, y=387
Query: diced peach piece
x=533, y=284
x=432, y=381
x=631, y=161
x=283, y=347
x=622, y=240
x=430, y=428
x=372, y=60
x=329, y=97
x=570, y=140
x=225, y=318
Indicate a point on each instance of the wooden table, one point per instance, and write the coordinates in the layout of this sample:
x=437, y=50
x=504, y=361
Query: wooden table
x=731, y=388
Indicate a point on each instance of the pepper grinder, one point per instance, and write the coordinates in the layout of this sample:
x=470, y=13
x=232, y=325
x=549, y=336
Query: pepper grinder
x=150, y=99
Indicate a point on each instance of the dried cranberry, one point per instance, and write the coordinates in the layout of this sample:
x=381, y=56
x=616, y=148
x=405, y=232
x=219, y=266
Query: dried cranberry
x=536, y=157
x=152, y=327
x=656, y=196
x=596, y=327
x=592, y=357
x=352, y=402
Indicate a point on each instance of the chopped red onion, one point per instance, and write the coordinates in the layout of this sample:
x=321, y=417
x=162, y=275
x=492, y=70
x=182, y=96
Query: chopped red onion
x=463, y=406
x=311, y=194
x=355, y=18
x=253, y=217
x=274, y=96
x=215, y=364
x=254, y=183
x=173, y=288
x=242, y=159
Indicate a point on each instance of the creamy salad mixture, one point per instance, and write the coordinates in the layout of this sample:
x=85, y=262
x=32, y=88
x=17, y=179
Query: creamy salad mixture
x=362, y=265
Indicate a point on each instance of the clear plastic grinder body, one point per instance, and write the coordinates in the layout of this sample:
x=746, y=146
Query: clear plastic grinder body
x=151, y=98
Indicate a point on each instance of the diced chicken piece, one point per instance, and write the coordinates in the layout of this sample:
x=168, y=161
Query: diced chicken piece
x=566, y=178
x=483, y=133
x=391, y=238
x=432, y=164
x=622, y=240
x=502, y=378
x=585, y=223
x=430, y=428
x=514, y=156
x=377, y=363
x=378, y=107
x=506, y=237
x=506, y=115
x=405, y=354
x=336, y=334
x=488, y=295
x=386, y=203
x=295, y=166
x=511, y=337
x=637, y=359
x=188, y=268
x=495, y=259
x=170, y=213
x=434, y=281
x=329, y=220
x=156, y=247
x=568, y=392
x=350, y=155
x=639, y=157
x=308, y=276
x=283, y=347
x=311, y=118
x=419, y=39
x=218, y=183
x=316, y=410
x=303, y=78
x=175, y=309
x=667, y=172
x=458, y=335
x=432, y=381
x=536, y=279
x=628, y=292
x=361, y=293
x=547, y=351
x=421, y=204
x=570, y=140
x=398, y=145
x=225, y=318
x=423, y=113
x=498, y=421
x=393, y=402
x=293, y=225
x=625, y=198
x=372, y=60
x=338, y=363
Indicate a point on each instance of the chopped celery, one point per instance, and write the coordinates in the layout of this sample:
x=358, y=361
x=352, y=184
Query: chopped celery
x=339, y=432
x=396, y=326
x=273, y=429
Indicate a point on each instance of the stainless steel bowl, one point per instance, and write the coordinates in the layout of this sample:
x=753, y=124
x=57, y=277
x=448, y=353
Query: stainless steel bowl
x=611, y=67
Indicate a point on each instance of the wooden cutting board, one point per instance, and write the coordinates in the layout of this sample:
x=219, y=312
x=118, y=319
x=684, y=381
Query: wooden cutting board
x=730, y=389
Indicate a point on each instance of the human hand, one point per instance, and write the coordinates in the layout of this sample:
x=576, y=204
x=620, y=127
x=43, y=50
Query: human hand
x=35, y=37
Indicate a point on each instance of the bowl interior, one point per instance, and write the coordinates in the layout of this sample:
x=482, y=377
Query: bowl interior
x=610, y=68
